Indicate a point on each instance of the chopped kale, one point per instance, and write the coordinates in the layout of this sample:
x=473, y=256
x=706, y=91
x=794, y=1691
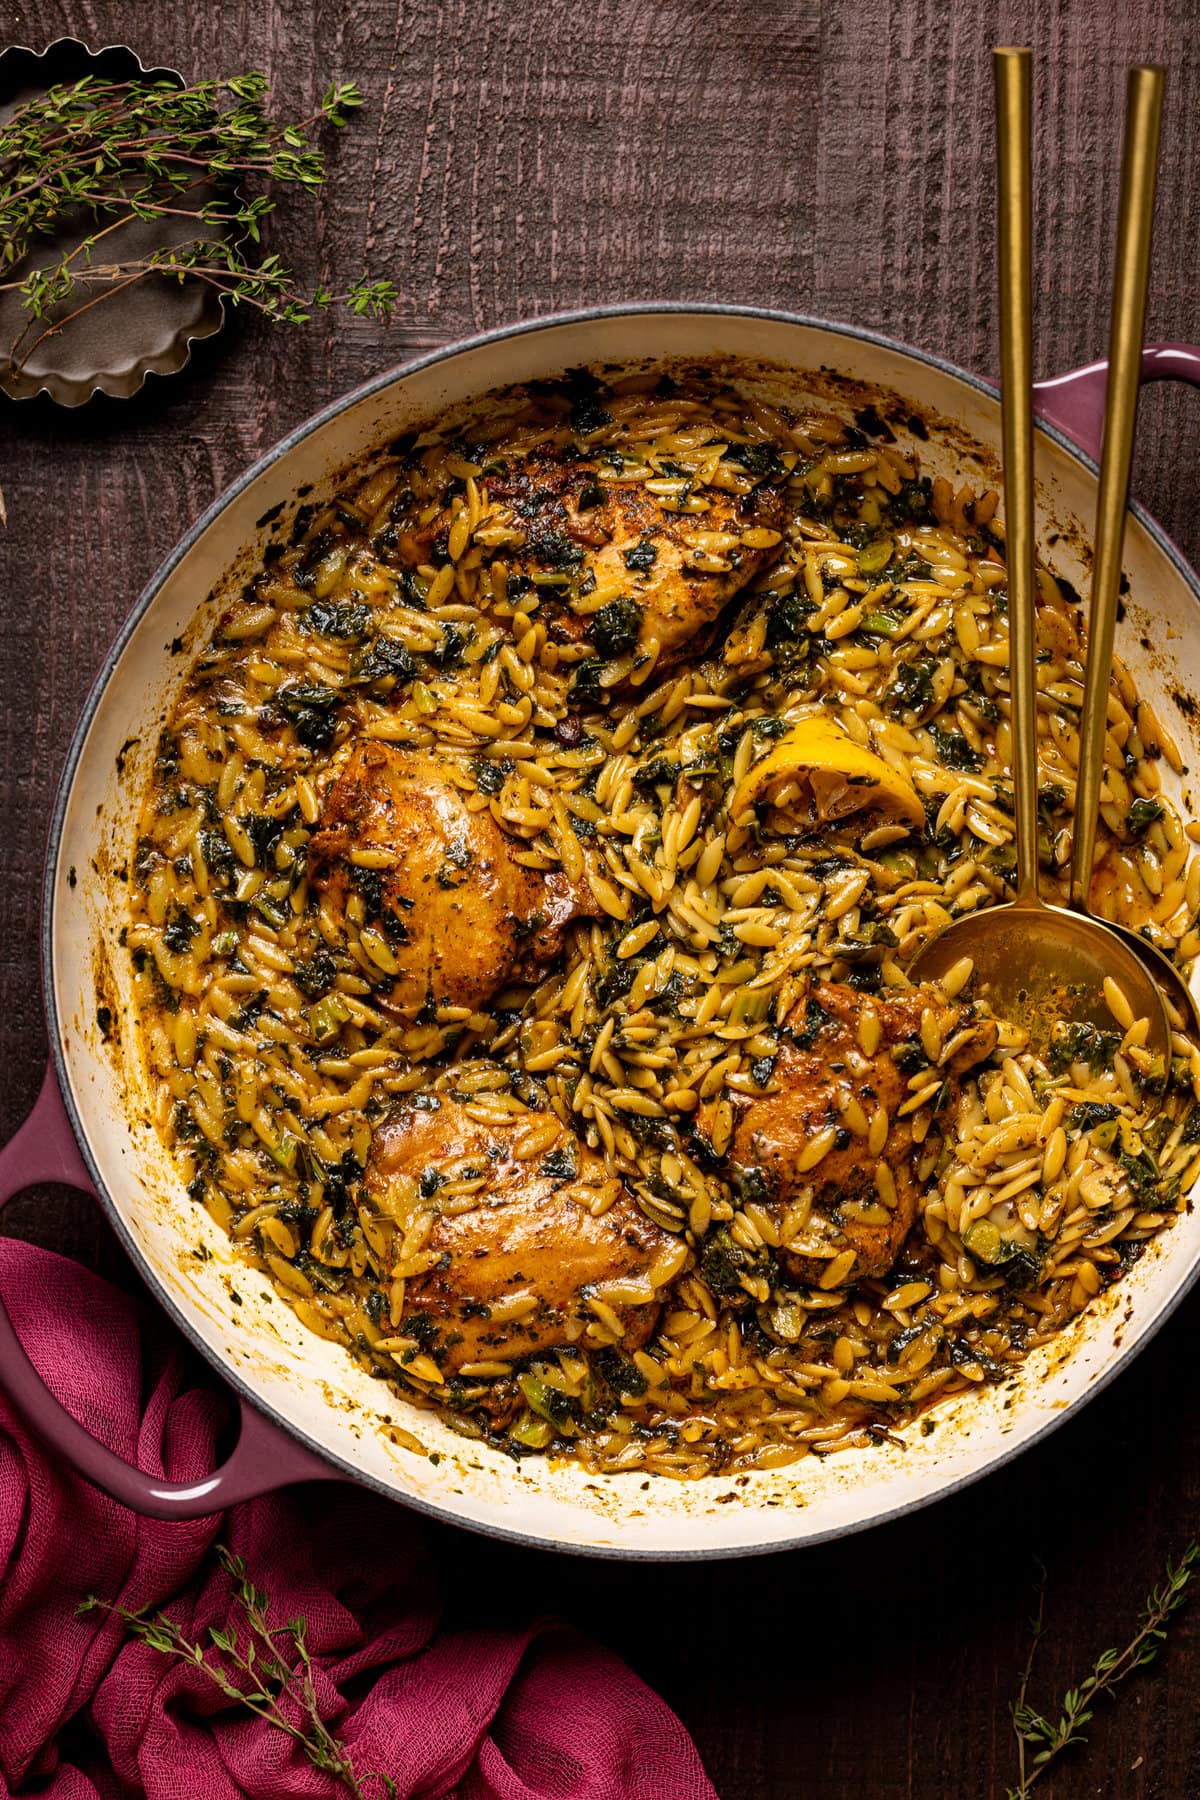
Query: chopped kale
x=524, y=929
x=616, y=979
x=430, y=1181
x=615, y=627
x=250, y=1009
x=749, y=1183
x=558, y=1166
x=1022, y=1268
x=179, y=930
x=659, y=770
x=382, y=659
x=1072, y=1043
x=554, y=548
x=420, y=1326
x=343, y=619
x=369, y=883
x=912, y=499
x=217, y=852
x=954, y=750
x=316, y=975
x=622, y=1376
x=911, y=689
x=549, y=1402
x=264, y=833
x=585, y=682
x=591, y=494
x=1142, y=1173
x=309, y=704
x=657, y=1132
x=414, y=593
x=642, y=558
x=870, y=942
x=1141, y=816
x=787, y=618
x=449, y=653
x=1090, y=1113
x=1052, y=801
x=301, y=521
x=723, y=1262
x=815, y=1021
x=1019, y=1262
x=983, y=704
x=490, y=773
x=587, y=414
x=760, y=460
x=315, y=551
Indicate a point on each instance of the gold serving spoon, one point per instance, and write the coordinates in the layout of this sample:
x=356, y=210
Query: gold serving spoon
x=1143, y=107
x=1035, y=963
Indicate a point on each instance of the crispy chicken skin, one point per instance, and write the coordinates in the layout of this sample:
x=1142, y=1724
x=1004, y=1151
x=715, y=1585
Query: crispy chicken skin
x=460, y=916
x=541, y=495
x=528, y=1236
x=821, y=1061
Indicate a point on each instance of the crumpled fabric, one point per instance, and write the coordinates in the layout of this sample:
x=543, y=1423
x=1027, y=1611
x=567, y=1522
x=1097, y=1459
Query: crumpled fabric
x=535, y=1712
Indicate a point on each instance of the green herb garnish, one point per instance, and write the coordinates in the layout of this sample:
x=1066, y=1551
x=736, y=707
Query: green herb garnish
x=119, y=151
x=1040, y=1738
x=265, y=1669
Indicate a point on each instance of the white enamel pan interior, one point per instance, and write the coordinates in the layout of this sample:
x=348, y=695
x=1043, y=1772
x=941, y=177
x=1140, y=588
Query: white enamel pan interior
x=311, y=1386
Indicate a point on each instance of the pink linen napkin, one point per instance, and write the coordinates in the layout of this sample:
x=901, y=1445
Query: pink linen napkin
x=86, y=1713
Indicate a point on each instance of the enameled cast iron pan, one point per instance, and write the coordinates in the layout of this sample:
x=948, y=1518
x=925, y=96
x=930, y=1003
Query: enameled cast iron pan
x=307, y=1410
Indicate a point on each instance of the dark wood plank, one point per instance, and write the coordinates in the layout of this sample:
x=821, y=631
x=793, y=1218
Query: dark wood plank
x=518, y=159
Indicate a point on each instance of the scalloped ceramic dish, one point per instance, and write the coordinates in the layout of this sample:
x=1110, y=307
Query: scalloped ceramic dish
x=152, y=327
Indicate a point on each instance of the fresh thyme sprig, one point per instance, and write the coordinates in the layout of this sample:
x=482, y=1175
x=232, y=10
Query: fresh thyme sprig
x=272, y=1662
x=207, y=155
x=1039, y=1739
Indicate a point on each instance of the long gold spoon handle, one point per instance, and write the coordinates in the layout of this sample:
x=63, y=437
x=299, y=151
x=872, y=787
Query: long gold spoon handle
x=1139, y=172
x=1014, y=194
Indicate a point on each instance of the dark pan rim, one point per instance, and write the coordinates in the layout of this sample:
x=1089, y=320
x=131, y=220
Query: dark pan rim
x=232, y=1377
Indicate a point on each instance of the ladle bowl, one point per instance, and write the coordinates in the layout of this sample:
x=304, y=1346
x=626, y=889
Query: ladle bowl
x=1038, y=966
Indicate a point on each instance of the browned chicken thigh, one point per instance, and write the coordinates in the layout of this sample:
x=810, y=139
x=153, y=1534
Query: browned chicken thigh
x=830, y=1122
x=438, y=883
x=671, y=579
x=516, y=1260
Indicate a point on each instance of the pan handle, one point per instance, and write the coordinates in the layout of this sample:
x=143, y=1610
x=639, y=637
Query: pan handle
x=264, y=1457
x=1075, y=402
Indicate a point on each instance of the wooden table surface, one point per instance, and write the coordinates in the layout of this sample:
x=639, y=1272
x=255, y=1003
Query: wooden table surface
x=516, y=159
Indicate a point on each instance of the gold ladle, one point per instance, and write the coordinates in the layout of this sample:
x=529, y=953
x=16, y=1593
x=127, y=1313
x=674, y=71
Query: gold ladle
x=1035, y=963
x=1135, y=220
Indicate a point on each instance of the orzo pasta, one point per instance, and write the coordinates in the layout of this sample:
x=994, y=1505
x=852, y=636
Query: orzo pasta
x=522, y=901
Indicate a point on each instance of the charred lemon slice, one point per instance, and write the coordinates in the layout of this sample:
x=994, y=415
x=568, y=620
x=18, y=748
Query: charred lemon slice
x=819, y=769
